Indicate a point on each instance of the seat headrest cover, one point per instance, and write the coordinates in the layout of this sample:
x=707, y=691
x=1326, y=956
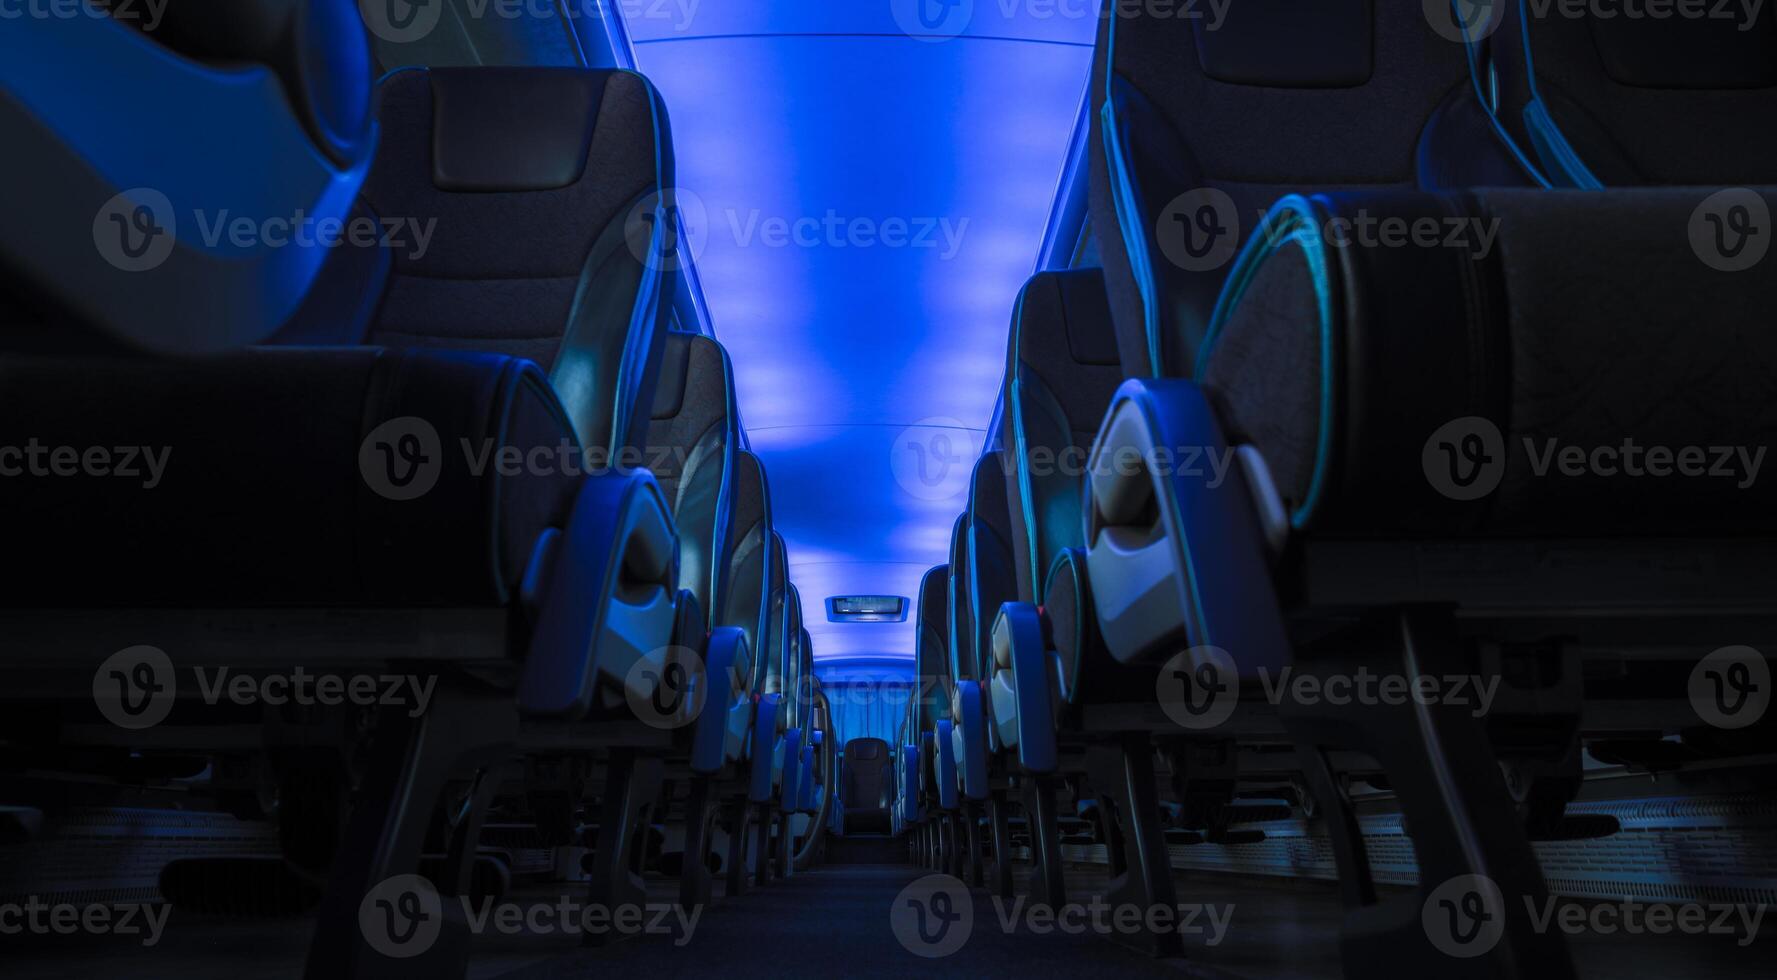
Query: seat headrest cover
x=932, y=650
x=1690, y=52
x=512, y=129
x=247, y=114
x=866, y=749
x=316, y=48
x=1289, y=43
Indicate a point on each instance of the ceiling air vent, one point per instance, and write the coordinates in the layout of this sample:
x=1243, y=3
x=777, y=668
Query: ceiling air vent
x=866, y=609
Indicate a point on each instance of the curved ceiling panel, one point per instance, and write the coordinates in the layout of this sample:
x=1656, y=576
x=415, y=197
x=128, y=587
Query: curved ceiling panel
x=864, y=206
x=926, y=21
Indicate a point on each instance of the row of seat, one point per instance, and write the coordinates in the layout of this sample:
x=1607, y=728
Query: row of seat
x=595, y=630
x=1279, y=451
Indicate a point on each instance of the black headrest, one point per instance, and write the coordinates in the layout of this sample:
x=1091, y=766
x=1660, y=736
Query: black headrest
x=512, y=129
x=317, y=49
x=1066, y=311
x=1689, y=52
x=258, y=110
x=1289, y=43
x=987, y=495
x=694, y=377
x=865, y=749
x=932, y=645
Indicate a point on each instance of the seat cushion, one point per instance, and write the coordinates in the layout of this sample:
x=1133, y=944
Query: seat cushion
x=280, y=477
x=1588, y=373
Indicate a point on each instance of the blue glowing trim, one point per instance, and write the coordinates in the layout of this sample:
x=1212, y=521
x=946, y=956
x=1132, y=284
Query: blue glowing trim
x=1291, y=221
x=1546, y=137
x=1127, y=203
x=1552, y=146
x=1489, y=103
x=1026, y=492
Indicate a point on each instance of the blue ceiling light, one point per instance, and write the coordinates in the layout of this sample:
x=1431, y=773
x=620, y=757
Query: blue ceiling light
x=871, y=203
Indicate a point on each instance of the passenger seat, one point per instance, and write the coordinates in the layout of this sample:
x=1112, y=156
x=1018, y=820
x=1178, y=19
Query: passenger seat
x=1592, y=102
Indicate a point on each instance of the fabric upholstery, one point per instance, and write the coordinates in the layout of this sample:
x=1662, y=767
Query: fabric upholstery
x=1639, y=101
x=931, y=652
x=692, y=436
x=233, y=522
x=1591, y=324
x=747, y=602
x=522, y=199
x=1180, y=125
x=1061, y=370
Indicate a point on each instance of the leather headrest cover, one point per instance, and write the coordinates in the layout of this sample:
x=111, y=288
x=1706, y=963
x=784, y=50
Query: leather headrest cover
x=1289, y=43
x=987, y=492
x=866, y=749
x=512, y=129
x=1689, y=52
x=317, y=49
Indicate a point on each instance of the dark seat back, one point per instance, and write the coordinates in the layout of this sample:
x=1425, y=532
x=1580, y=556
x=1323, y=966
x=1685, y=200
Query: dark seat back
x=931, y=653
x=775, y=648
x=692, y=440
x=522, y=203
x=1061, y=370
x=959, y=645
x=747, y=601
x=869, y=775
x=1617, y=101
x=991, y=580
x=1196, y=131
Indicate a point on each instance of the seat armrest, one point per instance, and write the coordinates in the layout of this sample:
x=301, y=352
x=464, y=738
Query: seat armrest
x=610, y=601
x=1175, y=551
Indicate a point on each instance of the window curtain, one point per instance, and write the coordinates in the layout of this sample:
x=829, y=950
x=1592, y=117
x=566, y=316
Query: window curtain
x=868, y=708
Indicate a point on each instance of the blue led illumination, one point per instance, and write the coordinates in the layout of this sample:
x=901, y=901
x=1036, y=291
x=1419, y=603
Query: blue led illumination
x=866, y=205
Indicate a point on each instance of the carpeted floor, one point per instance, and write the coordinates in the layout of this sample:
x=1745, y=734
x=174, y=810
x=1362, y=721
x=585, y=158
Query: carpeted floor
x=835, y=922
